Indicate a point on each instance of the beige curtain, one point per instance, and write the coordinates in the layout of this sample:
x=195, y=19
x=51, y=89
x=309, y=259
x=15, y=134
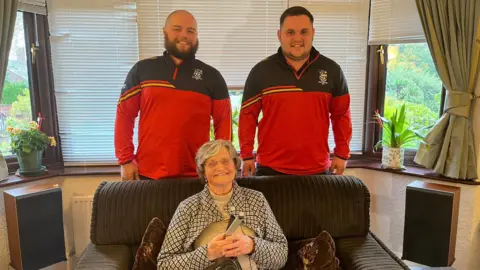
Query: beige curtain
x=8, y=14
x=453, y=34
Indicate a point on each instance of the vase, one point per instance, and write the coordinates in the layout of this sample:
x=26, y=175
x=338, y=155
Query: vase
x=392, y=158
x=30, y=164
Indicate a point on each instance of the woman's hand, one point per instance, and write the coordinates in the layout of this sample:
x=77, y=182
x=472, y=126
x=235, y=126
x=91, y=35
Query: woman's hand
x=242, y=245
x=216, y=246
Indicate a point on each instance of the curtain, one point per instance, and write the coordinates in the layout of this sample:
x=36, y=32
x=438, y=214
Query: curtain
x=453, y=36
x=8, y=14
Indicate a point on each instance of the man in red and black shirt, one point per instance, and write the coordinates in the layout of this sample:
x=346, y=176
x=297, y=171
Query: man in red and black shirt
x=299, y=91
x=176, y=96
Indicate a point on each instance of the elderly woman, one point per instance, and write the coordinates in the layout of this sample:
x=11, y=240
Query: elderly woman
x=196, y=235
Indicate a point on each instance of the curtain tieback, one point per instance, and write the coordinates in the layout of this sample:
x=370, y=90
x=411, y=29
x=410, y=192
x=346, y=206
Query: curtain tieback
x=459, y=102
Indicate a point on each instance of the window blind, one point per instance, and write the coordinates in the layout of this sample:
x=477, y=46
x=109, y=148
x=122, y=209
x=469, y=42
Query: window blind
x=32, y=6
x=96, y=42
x=234, y=35
x=94, y=45
x=395, y=21
x=341, y=32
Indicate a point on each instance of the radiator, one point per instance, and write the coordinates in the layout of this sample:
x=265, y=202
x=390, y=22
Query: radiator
x=82, y=215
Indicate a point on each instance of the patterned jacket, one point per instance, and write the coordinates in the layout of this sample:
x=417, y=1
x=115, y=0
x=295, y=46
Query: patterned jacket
x=195, y=213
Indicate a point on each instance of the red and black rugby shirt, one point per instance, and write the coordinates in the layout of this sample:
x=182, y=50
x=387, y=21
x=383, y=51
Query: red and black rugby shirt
x=297, y=108
x=176, y=103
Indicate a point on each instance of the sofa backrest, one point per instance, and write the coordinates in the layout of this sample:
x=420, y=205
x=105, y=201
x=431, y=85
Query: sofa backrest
x=303, y=205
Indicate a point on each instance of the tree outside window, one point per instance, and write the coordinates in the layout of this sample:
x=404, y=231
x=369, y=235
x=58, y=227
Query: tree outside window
x=412, y=79
x=15, y=107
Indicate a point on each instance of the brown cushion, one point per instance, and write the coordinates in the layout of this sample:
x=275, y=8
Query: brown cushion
x=147, y=252
x=318, y=253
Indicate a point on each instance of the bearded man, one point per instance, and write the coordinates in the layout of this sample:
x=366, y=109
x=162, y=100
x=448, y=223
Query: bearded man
x=176, y=96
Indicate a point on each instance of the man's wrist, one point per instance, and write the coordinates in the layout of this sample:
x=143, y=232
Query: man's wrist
x=343, y=158
x=126, y=162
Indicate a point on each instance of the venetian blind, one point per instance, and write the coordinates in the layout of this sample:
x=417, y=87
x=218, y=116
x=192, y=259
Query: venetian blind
x=94, y=45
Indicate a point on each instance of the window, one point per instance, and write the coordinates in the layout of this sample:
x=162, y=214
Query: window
x=413, y=80
x=28, y=88
x=16, y=107
x=400, y=71
x=96, y=42
x=94, y=45
x=236, y=100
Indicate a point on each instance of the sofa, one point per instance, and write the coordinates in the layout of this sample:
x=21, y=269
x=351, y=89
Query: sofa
x=303, y=206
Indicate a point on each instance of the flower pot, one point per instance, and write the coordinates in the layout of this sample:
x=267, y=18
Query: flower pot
x=392, y=158
x=30, y=163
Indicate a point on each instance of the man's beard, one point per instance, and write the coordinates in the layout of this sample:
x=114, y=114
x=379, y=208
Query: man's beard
x=171, y=47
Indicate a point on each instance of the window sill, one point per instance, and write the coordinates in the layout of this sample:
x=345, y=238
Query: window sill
x=354, y=163
x=375, y=164
x=61, y=171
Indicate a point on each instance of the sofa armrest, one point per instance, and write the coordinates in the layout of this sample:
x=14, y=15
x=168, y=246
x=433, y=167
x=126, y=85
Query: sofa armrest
x=366, y=253
x=105, y=257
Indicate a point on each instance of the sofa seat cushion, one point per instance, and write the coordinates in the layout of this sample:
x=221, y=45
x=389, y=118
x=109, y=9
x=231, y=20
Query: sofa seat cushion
x=366, y=253
x=105, y=257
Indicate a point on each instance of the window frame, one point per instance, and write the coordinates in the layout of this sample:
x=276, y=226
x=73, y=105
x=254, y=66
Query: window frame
x=41, y=87
x=375, y=99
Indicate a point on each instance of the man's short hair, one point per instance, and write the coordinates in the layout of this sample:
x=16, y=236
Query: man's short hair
x=295, y=11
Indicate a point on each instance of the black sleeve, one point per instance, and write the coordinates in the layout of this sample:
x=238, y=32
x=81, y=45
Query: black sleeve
x=219, y=88
x=252, y=85
x=341, y=87
x=131, y=81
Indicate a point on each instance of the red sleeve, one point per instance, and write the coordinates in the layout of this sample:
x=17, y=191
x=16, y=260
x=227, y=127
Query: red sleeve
x=340, y=117
x=221, y=107
x=247, y=127
x=127, y=110
x=222, y=119
x=341, y=125
x=251, y=107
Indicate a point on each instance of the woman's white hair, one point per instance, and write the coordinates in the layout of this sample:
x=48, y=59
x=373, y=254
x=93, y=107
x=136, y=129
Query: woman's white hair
x=212, y=148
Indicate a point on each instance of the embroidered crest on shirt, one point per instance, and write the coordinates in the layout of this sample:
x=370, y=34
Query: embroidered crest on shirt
x=322, y=77
x=197, y=74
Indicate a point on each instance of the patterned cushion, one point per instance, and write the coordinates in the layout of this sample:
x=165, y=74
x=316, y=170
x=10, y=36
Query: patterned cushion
x=147, y=252
x=317, y=253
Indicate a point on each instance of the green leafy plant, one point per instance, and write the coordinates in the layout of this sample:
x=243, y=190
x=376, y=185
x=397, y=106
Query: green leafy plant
x=13, y=89
x=397, y=133
x=29, y=139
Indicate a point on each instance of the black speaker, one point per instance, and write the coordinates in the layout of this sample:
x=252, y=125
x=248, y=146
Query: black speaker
x=431, y=217
x=35, y=226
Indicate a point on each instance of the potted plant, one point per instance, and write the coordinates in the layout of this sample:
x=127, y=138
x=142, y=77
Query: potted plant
x=396, y=135
x=28, y=144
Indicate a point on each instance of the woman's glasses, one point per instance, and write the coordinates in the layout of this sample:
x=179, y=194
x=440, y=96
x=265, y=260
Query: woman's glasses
x=213, y=163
